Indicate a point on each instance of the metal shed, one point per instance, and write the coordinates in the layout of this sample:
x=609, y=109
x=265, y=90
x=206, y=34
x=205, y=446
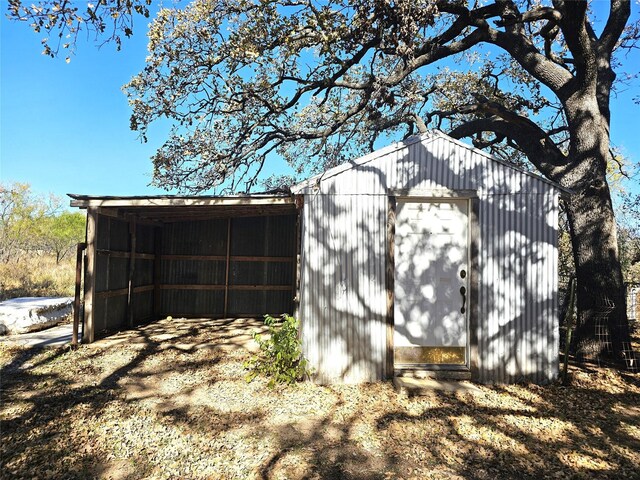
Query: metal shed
x=429, y=255
x=150, y=257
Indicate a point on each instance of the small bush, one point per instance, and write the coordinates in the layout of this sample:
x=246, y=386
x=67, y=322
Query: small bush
x=281, y=356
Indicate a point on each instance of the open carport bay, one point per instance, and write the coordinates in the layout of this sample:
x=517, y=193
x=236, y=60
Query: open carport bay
x=182, y=257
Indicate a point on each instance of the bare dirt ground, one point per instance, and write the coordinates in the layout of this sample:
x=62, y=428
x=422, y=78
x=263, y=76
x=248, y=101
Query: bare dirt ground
x=168, y=403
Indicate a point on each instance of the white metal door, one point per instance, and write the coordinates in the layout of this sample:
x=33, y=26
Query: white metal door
x=431, y=282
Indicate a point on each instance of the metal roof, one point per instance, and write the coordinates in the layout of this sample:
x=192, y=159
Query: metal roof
x=171, y=208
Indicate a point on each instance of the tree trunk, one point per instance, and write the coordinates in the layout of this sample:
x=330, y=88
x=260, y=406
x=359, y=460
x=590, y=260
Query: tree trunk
x=602, y=328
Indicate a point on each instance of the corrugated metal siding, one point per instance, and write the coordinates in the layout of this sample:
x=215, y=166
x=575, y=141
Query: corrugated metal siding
x=343, y=297
x=518, y=329
x=343, y=241
x=112, y=273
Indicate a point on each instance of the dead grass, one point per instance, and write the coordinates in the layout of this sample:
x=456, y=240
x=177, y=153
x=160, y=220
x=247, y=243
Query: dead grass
x=37, y=276
x=162, y=410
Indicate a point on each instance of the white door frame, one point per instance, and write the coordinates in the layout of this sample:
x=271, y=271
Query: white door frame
x=473, y=235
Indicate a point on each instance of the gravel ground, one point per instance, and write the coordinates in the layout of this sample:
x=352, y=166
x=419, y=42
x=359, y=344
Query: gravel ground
x=166, y=409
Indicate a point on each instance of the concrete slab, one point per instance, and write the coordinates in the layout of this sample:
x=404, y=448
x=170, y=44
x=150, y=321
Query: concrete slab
x=426, y=386
x=51, y=337
x=29, y=314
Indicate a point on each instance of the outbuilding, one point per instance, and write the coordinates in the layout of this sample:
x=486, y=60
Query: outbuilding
x=426, y=255
x=207, y=256
x=430, y=254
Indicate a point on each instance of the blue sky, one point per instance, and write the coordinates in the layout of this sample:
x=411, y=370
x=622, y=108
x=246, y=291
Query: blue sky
x=65, y=127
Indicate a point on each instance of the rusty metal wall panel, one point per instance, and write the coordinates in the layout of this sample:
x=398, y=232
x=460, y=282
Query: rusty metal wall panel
x=344, y=219
x=143, y=307
x=145, y=236
x=143, y=273
x=206, y=237
x=248, y=302
x=343, y=304
x=268, y=236
x=272, y=236
x=185, y=272
x=192, y=302
x=110, y=314
x=111, y=273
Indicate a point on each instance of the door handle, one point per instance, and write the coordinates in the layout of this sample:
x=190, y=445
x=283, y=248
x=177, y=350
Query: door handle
x=463, y=292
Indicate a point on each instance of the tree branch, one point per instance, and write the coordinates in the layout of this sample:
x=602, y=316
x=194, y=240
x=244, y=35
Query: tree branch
x=534, y=141
x=618, y=17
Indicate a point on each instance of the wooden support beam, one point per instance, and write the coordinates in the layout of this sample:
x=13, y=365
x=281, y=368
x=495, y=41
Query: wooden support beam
x=165, y=286
x=232, y=258
x=132, y=269
x=76, y=299
x=124, y=291
x=88, y=334
x=226, y=288
x=119, y=254
x=113, y=293
x=261, y=287
x=247, y=258
x=390, y=282
x=219, y=258
x=226, y=274
x=157, y=270
x=166, y=201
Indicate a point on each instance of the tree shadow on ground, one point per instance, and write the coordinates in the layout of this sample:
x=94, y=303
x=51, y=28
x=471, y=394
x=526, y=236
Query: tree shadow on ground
x=47, y=393
x=157, y=409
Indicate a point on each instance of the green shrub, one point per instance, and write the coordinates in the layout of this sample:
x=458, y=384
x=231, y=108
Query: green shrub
x=281, y=356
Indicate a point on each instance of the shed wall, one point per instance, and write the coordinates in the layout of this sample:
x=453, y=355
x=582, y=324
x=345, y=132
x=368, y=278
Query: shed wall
x=343, y=296
x=113, y=249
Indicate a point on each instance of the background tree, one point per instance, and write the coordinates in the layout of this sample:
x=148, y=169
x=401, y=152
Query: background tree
x=59, y=234
x=35, y=224
x=21, y=212
x=241, y=79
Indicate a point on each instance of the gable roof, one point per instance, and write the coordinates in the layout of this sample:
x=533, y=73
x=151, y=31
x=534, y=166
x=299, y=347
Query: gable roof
x=430, y=135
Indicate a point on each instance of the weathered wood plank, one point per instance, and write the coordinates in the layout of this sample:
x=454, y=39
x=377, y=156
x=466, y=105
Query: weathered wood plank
x=389, y=282
x=223, y=287
x=119, y=254
x=88, y=335
x=76, y=300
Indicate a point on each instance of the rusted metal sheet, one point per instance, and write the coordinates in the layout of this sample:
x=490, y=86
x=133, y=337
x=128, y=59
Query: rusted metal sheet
x=343, y=296
x=260, y=257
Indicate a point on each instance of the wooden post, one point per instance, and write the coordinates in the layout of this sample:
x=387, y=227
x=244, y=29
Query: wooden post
x=132, y=269
x=390, y=282
x=568, y=322
x=88, y=334
x=296, y=264
x=226, y=275
x=157, y=266
x=76, y=299
x=474, y=285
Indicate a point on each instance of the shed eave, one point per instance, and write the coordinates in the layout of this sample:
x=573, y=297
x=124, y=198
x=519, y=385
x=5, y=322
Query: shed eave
x=86, y=201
